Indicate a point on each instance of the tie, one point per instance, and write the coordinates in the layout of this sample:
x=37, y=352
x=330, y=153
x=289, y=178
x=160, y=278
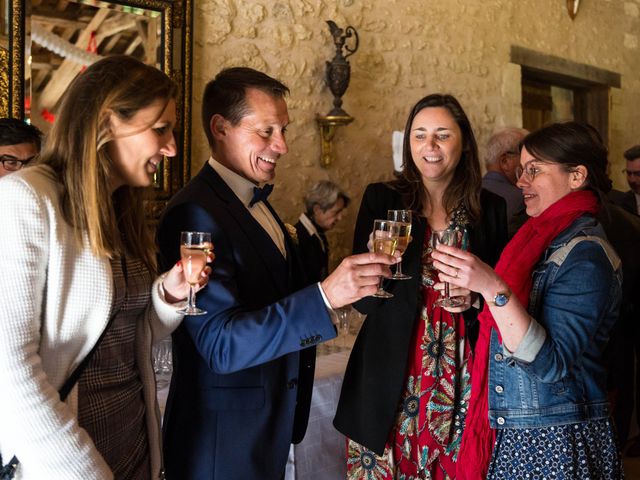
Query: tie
x=261, y=194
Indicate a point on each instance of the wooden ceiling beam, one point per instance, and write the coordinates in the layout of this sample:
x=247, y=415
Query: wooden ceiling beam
x=133, y=45
x=49, y=23
x=63, y=76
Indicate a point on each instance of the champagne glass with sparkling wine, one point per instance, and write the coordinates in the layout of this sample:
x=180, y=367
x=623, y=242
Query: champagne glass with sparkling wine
x=453, y=238
x=194, y=250
x=403, y=217
x=385, y=239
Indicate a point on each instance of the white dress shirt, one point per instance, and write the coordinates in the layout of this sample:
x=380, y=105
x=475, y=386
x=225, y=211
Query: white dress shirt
x=243, y=189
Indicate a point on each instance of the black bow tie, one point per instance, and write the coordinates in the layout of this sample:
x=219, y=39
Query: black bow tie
x=260, y=194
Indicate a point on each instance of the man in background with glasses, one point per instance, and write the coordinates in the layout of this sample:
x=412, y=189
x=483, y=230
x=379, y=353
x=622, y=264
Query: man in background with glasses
x=19, y=144
x=630, y=200
x=624, y=350
x=502, y=156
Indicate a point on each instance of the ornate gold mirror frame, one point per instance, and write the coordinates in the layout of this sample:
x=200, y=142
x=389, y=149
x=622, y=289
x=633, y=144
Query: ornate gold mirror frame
x=175, y=50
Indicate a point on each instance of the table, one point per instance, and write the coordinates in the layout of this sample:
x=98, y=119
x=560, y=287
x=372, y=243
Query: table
x=322, y=453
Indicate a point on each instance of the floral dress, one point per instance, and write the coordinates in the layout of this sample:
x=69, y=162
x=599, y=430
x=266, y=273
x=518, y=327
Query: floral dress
x=428, y=429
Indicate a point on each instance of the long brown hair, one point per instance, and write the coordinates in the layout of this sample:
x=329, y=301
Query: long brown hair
x=464, y=188
x=76, y=149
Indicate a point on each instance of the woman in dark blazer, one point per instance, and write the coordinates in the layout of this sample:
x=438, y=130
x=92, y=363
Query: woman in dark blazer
x=404, y=394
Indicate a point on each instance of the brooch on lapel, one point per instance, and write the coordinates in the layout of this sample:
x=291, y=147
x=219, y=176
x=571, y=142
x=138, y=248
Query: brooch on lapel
x=293, y=233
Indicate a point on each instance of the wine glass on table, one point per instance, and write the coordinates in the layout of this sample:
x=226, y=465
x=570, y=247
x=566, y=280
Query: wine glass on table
x=194, y=250
x=344, y=315
x=385, y=239
x=403, y=217
x=453, y=238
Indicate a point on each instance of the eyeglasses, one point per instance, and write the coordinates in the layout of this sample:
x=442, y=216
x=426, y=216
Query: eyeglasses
x=632, y=173
x=13, y=164
x=529, y=171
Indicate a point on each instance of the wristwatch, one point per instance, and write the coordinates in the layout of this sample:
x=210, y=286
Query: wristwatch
x=501, y=298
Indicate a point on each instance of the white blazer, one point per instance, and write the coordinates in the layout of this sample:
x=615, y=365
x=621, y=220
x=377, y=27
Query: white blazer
x=55, y=300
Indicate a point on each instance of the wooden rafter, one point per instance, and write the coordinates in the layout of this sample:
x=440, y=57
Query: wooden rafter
x=63, y=76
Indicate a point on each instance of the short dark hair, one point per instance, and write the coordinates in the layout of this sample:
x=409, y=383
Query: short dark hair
x=14, y=132
x=571, y=144
x=226, y=95
x=633, y=153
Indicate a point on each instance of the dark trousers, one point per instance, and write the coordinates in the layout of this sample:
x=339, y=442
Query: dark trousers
x=623, y=364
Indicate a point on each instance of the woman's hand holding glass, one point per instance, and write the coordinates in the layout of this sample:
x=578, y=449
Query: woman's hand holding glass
x=453, y=238
x=465, y=273
x=188, y=276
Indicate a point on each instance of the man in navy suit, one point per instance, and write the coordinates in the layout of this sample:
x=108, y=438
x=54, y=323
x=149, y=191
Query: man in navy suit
x=630, y=200
x=243, y=372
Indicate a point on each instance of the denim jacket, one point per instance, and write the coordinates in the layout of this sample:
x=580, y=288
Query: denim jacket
x=556, y=375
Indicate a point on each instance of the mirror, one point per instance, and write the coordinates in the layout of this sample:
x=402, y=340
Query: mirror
x=44, y=44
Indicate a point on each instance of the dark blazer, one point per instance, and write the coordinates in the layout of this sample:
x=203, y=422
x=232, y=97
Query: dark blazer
x=626, y=200
x=243, y=373
x=314, y=258
x=375, y=374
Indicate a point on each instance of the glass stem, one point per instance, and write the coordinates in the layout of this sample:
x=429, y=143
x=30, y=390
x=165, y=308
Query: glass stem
x=446, y=289
x=191, y=302
x=399, y=268
x=380, y=285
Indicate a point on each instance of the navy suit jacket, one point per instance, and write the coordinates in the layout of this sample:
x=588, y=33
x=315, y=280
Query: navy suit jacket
x=243, y=373
x=314, y=258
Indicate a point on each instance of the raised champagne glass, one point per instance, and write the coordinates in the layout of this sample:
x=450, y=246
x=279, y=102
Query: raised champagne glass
x=453, y=238
x=194, y=250
x=403, y=217
x=385, y=239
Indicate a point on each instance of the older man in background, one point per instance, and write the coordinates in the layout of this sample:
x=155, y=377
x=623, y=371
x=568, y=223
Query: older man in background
x=19, y=144
x=502, y=157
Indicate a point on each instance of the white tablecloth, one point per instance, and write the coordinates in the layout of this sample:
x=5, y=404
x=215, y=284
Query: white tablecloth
x=322, y=453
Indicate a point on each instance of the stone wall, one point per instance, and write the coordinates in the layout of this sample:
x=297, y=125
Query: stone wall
x=408, y=48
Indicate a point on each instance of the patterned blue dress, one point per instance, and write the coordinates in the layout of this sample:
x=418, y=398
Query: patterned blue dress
x=579, y=451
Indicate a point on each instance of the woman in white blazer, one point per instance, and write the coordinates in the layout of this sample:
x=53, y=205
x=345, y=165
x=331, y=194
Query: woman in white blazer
x=77, y=260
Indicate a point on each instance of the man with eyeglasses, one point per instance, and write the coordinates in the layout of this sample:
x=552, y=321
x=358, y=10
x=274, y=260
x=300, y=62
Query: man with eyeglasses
x=624, y=349
x=502, y=156
x=19, y=144
x=630, y=200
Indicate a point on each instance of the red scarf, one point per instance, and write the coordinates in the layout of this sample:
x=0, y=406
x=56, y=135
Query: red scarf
x=515, y=266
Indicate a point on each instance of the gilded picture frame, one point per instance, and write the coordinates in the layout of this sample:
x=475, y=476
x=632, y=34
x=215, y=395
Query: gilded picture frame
x=176, y=47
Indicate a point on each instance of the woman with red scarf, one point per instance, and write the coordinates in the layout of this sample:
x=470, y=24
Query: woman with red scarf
x=406, y=388
x=538, y=405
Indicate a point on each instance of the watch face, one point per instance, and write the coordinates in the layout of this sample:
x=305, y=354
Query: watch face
x=501, y=300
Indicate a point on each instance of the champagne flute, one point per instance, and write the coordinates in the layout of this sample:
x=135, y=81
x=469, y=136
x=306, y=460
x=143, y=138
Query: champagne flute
x=452, y=238
x=162, y=362
x=344, y=315
x=385, y=239
x=404, y=218
x=194, y=250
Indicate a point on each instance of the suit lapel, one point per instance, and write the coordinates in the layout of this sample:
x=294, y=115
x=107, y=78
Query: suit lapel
x=295, y=276
x=266, y=249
